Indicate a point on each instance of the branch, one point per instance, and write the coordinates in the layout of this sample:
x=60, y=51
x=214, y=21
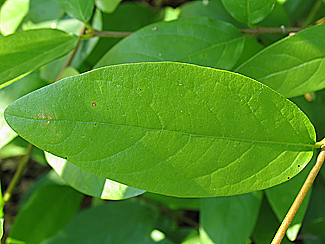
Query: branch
x=254, y=31
x=271, y=30
x=299, y=199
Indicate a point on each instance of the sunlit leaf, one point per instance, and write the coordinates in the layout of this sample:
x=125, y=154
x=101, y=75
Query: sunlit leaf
x=169, y=128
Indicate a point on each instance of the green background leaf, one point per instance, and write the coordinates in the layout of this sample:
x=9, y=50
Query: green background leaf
x=79, y=9
x=229, y=219
x=249, y=11
x=90, y=184
x=29, y=50
x=198, y=40
x=170, y=128
x=266, y=226
x=293, y=66
x=46, y=212
x=116, y=221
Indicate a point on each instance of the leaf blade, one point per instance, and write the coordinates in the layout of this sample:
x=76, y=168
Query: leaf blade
x=205, y=41
x=295, y=65
x=249, y=11
x=176, y=136
x=30, y=50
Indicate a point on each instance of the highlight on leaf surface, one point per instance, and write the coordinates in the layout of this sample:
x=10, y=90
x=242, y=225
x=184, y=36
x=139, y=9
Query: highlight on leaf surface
x=170, y=128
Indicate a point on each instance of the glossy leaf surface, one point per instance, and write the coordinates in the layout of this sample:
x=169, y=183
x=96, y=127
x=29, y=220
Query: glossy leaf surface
x=249, y=11
x=229, y=219
x=29, y=50
x=39, y=218
x=88, y=183
x=199, y=40
x=293, y=66
x=170, y=128
x=117, y=221
x=79, y=9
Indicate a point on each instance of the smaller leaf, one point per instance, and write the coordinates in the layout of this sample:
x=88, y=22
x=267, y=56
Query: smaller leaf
x=229, y=219
x=43, y=10
x=199, y=40
x=79, y=9
x=107, y=6
x=292, y=66
x=45, y=213
x=116, y=222
x=11, y=15
x=249, y=11
x=88, y=183
x=29, y=50
x=266, y=225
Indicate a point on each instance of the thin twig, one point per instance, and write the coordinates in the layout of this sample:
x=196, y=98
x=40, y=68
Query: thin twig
x=270, y=30
x=71, y=55
x=22, y=164
x=113, y=34
x=254, y=31
x=299, y=199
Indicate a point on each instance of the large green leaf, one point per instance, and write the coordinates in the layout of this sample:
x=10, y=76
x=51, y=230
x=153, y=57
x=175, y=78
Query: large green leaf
x=45, y=213
x=198, y=40
x=29, y=50
x=170, y=128
x=249, y=11
x=125, y=222
x=229, y=219
x=90, y=184
x=293, y=66
x=79, y=9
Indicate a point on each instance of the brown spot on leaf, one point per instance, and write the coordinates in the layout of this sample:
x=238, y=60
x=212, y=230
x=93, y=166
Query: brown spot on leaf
x=94, y=104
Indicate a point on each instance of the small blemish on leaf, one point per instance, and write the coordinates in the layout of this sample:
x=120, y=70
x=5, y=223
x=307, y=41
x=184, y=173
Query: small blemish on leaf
x=94, y=104
x=65, y=157
x=298, y=165
x=154, y=28
x=89, y=139
x=95, y=124
x=288, y=178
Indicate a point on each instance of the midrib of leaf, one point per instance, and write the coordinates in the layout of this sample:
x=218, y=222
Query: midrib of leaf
x=168, y=131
